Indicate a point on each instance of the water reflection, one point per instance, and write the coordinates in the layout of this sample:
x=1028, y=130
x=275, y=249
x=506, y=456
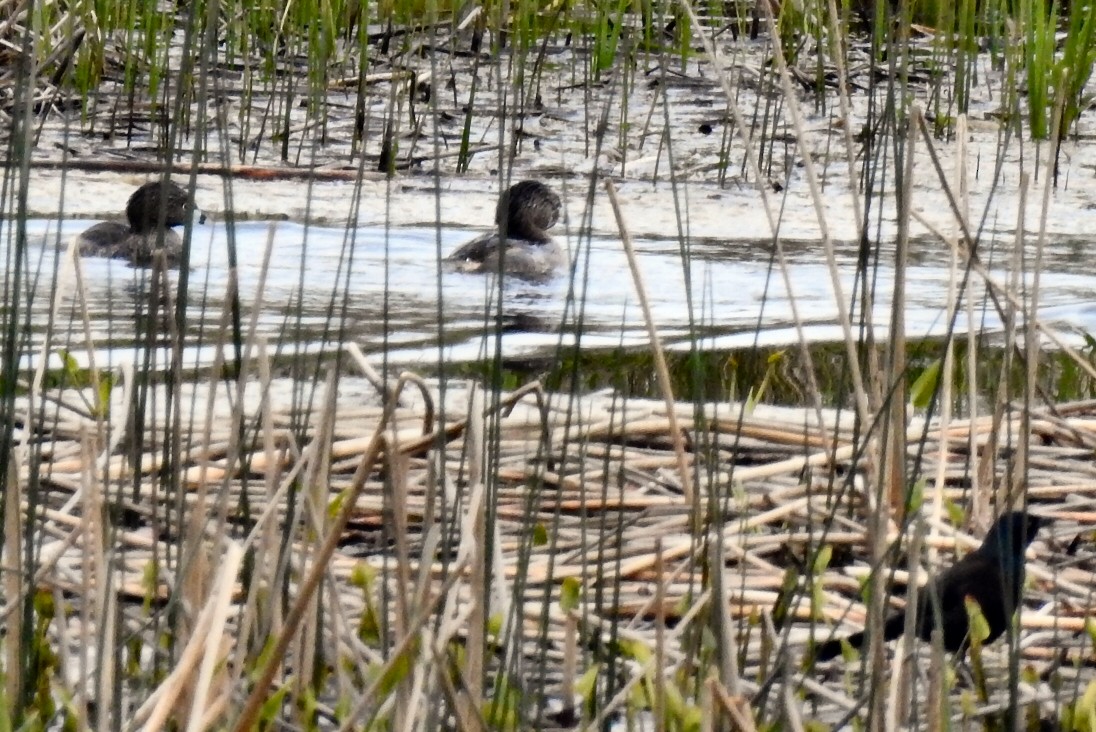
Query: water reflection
x=386, y=291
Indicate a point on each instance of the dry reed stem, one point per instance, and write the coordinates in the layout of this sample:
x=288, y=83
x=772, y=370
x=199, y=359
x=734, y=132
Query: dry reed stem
x=370, y=373
x=204, y=651
x=403, y=597
x=247, y=716
x=640, y=671
x=473, y=542
x=661, y=369
x=314, y=527
x=979, y=268
x=807, y=155
x=754, y=548
x=14, y=571
x=424, y=616
x=743, y=128
x=736, y=707
x=893, y=381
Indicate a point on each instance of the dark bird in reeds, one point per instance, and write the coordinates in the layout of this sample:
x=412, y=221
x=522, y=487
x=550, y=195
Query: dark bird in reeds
x=992, y=575
x=147, y=233
x=521, y=246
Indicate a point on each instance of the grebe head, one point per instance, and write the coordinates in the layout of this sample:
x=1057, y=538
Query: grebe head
x=159, y=201
x=527, y=211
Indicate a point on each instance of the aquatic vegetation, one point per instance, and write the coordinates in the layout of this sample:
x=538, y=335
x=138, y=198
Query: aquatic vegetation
x=300, y=530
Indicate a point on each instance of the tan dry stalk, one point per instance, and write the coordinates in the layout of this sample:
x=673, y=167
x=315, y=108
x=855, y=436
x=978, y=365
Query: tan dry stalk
x=70, y=683
x=707, y=705
x=900, y=684
x=370, y=373
x=266, y=548
x=99, y=593
x=742, y=127
x=979, y=490
x=1032, y=348
x=659, y=706
x=935, y=712
x=947, y=372
x=877, y=532
x=989, y=456
x=205, y=650
x=308, y=587
x=403, y=596
x=458, y=698
x=807, y=155
x=736, y=707
x=793, y=709
x=69, y=267
x=473, y=539
x=418, y=704
x=895, y=365
x=570, y=662
x=837, y=39
x=661, y=369
x=13, y=581
x=314, y=520
x=722, y=627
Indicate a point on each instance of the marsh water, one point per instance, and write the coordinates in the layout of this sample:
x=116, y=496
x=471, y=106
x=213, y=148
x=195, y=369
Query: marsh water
x=386, y=290
x=717, y=287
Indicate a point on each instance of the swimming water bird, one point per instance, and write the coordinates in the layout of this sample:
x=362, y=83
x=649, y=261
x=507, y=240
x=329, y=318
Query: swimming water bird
x=524, y=215
x=151, y=212
x=992, y=575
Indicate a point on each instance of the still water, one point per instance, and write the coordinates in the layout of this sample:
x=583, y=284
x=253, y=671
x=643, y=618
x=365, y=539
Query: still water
x=386, y=290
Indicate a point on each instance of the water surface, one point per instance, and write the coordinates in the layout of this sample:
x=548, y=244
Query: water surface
x=384, y=289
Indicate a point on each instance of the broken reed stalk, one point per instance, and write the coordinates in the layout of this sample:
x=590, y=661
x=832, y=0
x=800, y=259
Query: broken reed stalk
x=658, y=707
x=247, y=718
x=975, y=263
x=894, y=383
x=13, y=580
x=947, y=371
x=661, y=369
x=1015, y=285
x=1031, y=333
x=474, y=539
x=807, y=155
x=204, y=650
x=979, y=488
x=743, y=127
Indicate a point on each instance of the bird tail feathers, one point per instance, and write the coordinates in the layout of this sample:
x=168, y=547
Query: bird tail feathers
x=832, y=648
